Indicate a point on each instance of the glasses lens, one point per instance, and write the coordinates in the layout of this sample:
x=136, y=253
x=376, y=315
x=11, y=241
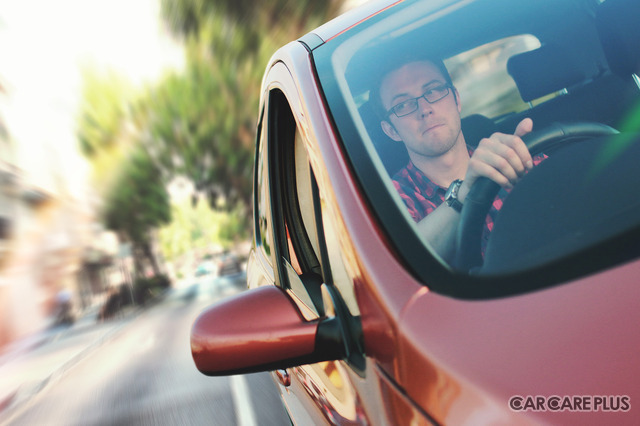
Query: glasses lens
x=406, y=107
x=432, y=95
x=435, y=94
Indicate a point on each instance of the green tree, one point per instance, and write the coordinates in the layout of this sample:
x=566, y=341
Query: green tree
x=130, y=184
x=199, y=126
x=101, y=125
x=204, y=119
x=199, y=123
x=102, y=111
x=197, y=226
x=258, y=18
x=136, y=205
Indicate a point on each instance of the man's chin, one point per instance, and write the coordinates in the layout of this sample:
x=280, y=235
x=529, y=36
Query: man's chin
x=437, y=148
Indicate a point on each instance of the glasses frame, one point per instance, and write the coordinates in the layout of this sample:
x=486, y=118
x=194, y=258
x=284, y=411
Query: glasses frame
x=448, y=88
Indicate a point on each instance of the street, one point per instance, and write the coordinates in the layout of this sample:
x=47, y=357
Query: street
x=143, y=374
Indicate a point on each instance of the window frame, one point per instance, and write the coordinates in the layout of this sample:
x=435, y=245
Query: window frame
x=285, y=210
x=263, y=238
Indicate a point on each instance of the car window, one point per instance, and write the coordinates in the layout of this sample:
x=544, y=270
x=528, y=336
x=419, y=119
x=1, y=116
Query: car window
x=485, y=66
x=299, y=267
x=508, y=61
x=305, y=191
x=336, y=253
x=264, y=239
x=309, y=249
x=309, y=198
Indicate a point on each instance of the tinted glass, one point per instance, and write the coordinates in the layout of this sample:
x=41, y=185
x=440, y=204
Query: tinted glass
x=508, y=60
x=263, y=234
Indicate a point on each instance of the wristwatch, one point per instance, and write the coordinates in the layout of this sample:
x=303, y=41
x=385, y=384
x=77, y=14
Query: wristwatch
x=451, y=196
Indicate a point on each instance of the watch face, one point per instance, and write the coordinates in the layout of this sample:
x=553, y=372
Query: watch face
x=448, y=195
x=452, y=191
x=451, y=196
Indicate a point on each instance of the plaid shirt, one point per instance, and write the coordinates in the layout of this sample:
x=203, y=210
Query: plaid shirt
x=422, y=196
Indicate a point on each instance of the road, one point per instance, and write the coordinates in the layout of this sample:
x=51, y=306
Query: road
x=144, y=375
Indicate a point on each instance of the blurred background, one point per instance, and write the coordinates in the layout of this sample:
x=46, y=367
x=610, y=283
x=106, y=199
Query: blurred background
x=126, y=152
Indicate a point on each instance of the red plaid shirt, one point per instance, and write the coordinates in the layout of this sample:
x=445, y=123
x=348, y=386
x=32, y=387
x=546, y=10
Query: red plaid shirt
x=422, y=196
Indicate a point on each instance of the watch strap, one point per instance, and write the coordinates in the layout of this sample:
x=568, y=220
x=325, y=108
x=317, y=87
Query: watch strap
x=451, y=196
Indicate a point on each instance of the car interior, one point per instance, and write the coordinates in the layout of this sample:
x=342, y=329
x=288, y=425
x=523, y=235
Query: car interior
x=582, y=79
x=602, y=92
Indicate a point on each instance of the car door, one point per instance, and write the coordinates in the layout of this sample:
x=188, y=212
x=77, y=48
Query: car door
x=303, y=265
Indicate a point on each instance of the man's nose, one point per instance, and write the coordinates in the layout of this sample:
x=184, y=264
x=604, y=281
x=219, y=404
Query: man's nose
x=424, y=107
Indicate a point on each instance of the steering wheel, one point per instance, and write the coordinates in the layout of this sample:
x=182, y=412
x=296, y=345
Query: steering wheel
x=481, y=195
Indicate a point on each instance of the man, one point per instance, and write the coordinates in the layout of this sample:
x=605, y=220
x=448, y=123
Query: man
x=421, y=108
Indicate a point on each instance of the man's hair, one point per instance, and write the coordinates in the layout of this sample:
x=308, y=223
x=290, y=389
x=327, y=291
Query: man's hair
x=374, y=94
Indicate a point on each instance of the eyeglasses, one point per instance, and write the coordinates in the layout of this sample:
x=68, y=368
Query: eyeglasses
x=432, y=96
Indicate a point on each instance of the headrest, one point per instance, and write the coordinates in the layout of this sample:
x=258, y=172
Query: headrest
x=618, y=23
x=475, y=127
x=543, y=71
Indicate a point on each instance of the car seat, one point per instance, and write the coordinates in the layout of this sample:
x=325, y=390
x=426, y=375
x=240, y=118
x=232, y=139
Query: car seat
x=618, y=27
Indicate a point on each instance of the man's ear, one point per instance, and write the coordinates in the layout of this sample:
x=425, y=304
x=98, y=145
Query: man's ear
x=456, y=96
x=390, y=130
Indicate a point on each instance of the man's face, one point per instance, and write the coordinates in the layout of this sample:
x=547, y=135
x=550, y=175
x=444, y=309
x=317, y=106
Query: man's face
x=433, y=129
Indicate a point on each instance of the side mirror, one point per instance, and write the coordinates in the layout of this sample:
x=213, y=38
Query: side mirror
x=261, y=330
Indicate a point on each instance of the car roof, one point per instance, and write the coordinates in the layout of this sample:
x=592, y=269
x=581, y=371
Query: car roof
x=351, y=18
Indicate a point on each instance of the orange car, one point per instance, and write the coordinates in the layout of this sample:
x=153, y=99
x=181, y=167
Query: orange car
x=353, y=303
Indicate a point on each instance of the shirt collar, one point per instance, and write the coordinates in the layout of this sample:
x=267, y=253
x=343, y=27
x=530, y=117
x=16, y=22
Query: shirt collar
x=429, y=187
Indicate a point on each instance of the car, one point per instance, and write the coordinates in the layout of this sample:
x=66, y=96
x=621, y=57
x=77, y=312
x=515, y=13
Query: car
x=205, y=268
x=356, y=314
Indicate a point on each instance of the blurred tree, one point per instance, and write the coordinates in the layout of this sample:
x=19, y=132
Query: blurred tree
x=197, y=226
x=102, y=110
x=198, y=123
x=258, y=18
x=137, y=204
x=101, y=125
x=205, y=118
x=131, y=186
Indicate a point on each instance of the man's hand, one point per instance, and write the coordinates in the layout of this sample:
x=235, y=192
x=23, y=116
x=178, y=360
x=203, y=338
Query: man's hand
x=502, y=158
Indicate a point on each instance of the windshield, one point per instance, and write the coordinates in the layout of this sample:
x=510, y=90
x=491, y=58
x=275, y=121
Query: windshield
x=462, y=71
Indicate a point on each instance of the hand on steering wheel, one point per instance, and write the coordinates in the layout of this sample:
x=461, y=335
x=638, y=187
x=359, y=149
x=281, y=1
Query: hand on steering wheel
x=480, y=197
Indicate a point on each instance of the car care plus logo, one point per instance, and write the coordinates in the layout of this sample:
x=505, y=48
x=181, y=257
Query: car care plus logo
x=589, y=403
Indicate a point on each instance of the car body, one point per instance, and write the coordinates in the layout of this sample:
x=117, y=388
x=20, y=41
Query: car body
x=356, y=316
